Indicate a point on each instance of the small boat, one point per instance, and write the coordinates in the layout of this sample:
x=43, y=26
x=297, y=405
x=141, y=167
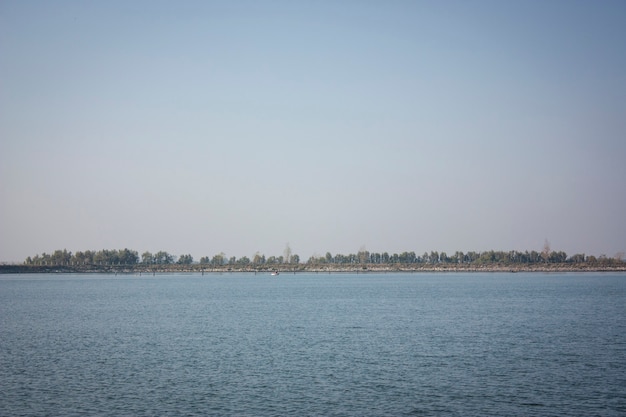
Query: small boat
x=275, y=273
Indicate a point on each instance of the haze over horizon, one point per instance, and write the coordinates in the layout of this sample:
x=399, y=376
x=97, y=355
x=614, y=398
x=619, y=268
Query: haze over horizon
x=240, y=126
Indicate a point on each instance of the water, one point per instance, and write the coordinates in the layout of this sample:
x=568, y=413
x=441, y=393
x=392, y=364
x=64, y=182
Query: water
x=332, y=345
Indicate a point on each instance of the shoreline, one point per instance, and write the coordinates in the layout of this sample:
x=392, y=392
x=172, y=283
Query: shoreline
x=307, y=268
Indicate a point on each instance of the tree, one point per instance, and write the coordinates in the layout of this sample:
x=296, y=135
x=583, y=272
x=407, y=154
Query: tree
x=163, y=258
x=61, y=257
x=411, y=257
x=128, y=257
x=244, y=260
x=486, y=257
x=287, y=254
x=363, y=255
x=102, y=257
x=218, y=259
x=374, y=258
x=79, y=258
x=185, y=260
x=434, y=257
x=534, y=257
x=545, y=253
x=89, y=255
x=147, y=258
x=557, y=257
x=578, y=258
x=314, y=260
x=258, y=259
x=458, y=257
x=470, y=257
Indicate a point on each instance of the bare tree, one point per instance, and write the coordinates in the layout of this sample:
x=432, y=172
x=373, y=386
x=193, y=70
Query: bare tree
x=363, y=255
x=287, y=254
x=545, y=252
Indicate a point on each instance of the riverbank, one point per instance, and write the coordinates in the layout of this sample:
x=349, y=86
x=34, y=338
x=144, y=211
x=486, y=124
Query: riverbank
x=310, y=268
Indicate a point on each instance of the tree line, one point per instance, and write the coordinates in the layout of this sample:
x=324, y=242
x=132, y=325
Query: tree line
x=362, y=257
x=477, y=258
x=132, y=257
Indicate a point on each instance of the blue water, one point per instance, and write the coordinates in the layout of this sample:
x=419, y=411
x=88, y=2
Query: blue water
x=332, y=345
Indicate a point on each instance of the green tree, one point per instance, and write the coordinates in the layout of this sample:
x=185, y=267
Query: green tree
x=329, y=258
x=557, y=257
x=243, y=261
x=434, y=257
x=458, y=257
x=61, y=257
x=163, y=258
x=128, y=257
x=101, y=257
x=534, y=257
x=185, y=260
x=363, y=255
x=468, y=257
x=89, y=256
x=147, y=258
x=219, y=259
x=79, y=258
x=578, y=258
x=258, y=259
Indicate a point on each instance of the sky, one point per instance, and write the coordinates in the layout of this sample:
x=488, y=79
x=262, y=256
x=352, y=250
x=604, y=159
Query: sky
x=237, y=127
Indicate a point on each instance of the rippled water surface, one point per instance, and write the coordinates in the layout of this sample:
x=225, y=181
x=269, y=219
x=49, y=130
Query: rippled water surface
x=344, y=345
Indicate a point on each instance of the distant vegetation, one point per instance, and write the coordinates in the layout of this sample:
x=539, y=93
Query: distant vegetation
x=363, y=259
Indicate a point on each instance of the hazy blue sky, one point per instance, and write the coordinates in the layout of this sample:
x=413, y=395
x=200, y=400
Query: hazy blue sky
x=206, y=126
